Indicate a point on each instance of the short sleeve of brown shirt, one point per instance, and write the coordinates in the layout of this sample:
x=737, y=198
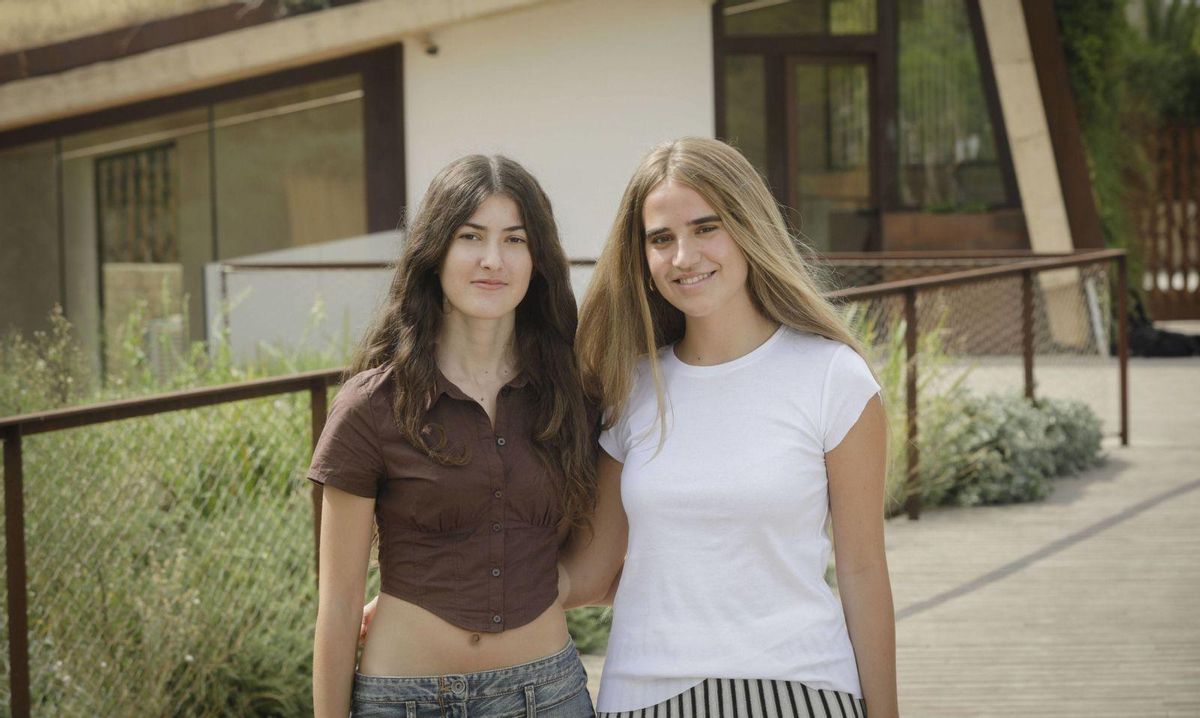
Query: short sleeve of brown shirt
x=347, y=455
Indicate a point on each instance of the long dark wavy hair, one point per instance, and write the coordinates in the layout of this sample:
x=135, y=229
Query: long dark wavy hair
x=404, y=331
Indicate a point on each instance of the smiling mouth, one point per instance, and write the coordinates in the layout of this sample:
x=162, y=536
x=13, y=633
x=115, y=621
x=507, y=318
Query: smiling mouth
x=696, y=279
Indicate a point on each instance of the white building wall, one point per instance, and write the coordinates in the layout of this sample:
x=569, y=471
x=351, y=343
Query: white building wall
x=576, y=91
x=276, y=307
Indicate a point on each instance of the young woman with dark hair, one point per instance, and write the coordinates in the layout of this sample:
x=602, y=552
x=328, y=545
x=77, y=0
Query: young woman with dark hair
x=461, y=432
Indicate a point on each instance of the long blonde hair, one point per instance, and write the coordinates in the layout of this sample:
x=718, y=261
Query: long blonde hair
x=621, y=320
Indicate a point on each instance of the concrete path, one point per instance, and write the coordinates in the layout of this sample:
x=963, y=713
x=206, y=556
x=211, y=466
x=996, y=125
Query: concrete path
x=1087, y=604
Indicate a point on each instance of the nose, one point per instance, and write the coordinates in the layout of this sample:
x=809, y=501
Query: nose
x=686, y=253
x=491, y=258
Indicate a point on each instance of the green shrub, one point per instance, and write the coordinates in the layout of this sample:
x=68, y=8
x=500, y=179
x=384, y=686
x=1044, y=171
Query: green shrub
x=1007, y=449
x=589, y=627
x=170, y=557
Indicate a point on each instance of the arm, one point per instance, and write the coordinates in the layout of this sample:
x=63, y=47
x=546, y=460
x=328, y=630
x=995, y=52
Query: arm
x=594, y=555
x=346, y=522
x=856, y=469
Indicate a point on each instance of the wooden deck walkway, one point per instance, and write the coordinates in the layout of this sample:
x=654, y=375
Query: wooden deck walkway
x=1087, y=604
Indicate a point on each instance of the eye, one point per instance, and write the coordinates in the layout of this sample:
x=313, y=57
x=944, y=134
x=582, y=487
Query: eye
x=659, y=239
x=706, y=228
x=468, y=235
x=517, y=239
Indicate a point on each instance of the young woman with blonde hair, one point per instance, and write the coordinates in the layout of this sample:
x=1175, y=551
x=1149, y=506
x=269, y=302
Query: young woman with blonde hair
x=740, y=420
x=463, y=433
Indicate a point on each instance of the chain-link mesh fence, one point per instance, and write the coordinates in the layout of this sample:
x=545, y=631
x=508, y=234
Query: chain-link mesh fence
x=170, y=563
x=170, y=557
x=980, y=325
x=974, y=340
x=839, y=272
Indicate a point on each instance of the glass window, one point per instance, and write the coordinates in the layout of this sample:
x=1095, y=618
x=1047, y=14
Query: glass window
x=746, y=108
x=28, y=237
x=290, y=168
x=137, y=228
x=948, y=156
x=830, y=164
x=798, y=17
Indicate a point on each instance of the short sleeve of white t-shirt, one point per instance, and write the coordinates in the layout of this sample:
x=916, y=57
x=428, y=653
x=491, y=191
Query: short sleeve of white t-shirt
x=724, y=572
x=847, y=387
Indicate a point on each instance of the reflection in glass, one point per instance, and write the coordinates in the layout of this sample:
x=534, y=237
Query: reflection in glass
x=290, y=168
x=798, y=17
x=137, y=227
x=830, y=172
x=948, y=157
x=745, y=108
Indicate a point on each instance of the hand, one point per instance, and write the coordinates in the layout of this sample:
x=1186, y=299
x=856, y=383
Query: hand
x=368, y=614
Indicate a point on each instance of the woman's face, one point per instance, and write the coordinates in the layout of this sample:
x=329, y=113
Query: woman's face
x=487, y=268
x=694, y=263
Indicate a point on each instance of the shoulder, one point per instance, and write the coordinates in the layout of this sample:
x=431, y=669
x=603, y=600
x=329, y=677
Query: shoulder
x=813, y=350
x=367, y=385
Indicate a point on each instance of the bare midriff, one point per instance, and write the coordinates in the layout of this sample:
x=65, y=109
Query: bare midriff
x=406, y=640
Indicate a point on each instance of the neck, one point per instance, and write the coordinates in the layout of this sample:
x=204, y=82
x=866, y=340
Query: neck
x=477, y=349
x=724, y=335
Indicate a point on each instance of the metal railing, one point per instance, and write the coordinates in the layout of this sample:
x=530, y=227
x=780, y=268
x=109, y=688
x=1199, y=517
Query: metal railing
x=16, y=429
x=920, y=305
x=1026, y=270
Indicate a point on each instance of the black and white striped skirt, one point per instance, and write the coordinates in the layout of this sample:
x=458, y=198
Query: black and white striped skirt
x=752, y=698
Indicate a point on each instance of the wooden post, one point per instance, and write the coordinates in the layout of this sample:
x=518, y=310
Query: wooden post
x=18, y=613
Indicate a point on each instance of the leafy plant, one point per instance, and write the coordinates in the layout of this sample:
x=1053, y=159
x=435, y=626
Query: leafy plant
x=1007, y=449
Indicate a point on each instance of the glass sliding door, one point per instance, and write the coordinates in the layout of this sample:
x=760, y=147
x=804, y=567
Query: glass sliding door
x=829, y=153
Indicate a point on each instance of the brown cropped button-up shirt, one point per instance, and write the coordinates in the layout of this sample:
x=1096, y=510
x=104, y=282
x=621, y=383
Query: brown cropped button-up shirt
x=474, y=544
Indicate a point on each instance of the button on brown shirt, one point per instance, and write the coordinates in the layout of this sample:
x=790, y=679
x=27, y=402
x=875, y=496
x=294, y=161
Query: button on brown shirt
x=474, y=544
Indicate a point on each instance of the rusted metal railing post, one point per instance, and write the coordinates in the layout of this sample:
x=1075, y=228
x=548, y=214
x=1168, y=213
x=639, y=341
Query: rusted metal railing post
x=18, y=607
x=1123, y=343
x=1027, y=329
x=318, y=400
x=912, y=502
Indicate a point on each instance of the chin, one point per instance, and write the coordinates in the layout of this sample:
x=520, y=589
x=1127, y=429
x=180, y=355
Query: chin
x=488, y=311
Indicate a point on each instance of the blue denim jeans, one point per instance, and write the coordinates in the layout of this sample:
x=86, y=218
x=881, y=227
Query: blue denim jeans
x=551, y=687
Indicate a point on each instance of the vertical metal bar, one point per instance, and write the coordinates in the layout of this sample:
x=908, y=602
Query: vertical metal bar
x=223, y=307
x=212, y=183
x=1123, y=342
x=1027, y=329
x=318, y=400
x=1150, y=224
x=60, y=224
x=14, y=538
x=912, y=503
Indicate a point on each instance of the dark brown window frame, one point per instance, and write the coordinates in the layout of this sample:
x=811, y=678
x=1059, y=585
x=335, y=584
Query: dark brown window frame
x=879, y=51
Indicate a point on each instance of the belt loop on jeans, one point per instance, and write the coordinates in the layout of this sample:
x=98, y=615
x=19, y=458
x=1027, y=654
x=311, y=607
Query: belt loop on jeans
x=410, y=709
x=530, y=703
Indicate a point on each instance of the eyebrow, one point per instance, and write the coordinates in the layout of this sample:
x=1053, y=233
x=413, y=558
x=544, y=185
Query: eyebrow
x=703, y=220
x=480, y=227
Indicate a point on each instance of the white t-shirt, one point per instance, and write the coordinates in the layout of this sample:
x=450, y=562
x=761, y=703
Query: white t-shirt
x=725, y=571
